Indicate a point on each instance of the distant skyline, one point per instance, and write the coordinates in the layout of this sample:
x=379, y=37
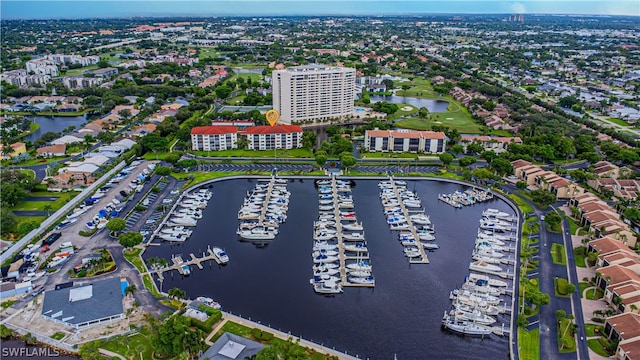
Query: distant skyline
x=55, y=9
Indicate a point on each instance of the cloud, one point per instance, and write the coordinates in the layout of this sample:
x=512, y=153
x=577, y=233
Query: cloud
x=518, y=8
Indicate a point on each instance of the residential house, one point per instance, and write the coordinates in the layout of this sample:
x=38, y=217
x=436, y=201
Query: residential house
x=497, y=144
x=105, y=72
x=16, y=149
x=214, y=138
x=274, y=137
x=624, y=328
x=52, y=150
x=405, y=141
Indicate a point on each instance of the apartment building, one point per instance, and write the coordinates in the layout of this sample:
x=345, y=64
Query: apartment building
x=405, y=141
x=313, y=92
x=42, y=67
x=214, y=138
x=274, y=137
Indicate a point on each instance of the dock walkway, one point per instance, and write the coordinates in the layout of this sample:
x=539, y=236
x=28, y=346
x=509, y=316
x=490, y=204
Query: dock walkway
x=423, y=259
x=179, y=262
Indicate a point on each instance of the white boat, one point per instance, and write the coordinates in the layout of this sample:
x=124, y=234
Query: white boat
x=323, y=245
x=248, y=216
x=325, y=207
x=494, y=213
x=396, y=220
x=412, y=203
x=324, y=259
x=492, y=282
x=426, y=236
x=475, y=316
x=257, y=233
x=360, y=265
x=407, y=242
x=220, y=254
x=325, y=266
x=420, y=219
x=399, y=226
x=321, y=236
x=362, y=280
x=325, y=252
x=412, y=252
x=430, y=246
x=353, y=236
x=184, y=221
x=465, y=327
x=354, y=226
x=484, y=267
x=327, y=287
x=357, y=247
x=490, y=310
x=325, y=271
x=359, y=273
x=324, y=278
x=173, y=238
x=483, y=287
x=473, y=298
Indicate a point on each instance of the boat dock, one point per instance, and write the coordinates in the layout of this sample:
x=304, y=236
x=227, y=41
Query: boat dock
x=341, y=252
x=423, y=259
x=458, y=199
x=266, y=201
x=178, y=263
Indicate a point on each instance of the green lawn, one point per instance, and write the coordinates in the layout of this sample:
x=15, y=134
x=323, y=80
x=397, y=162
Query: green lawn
x=582, y=286
x=198, y=177
x=389, y=155
x=590, y=329
x=401, y=112
x=58, y=335
x=523, y=205
x=618, y=121
x=136, y=346
x=459, y=120
x=204, y=52
x=133, y=256
x=233, y=328
x=420, y=88
x=596, y=346
x=558, y=254
x=292, y=153
x=580, y=259
x=148, y=283
x=566, y=343
x=63, y=198
x=529, y=342
x=80, y=71
x=559, y=283
x=594, y=294
x=235, y=100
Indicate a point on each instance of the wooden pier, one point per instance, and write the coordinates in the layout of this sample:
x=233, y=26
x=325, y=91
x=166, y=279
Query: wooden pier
x=178, y=262
x=423, y=254
x=265, y=204
x=341, y=252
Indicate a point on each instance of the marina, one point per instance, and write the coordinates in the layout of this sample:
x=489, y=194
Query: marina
x=404, y=213
x=184, y=266
x=184, y=215
x=263, y=210
x=471, y=196
x=271, y=284
x=476, y=305
x=340, y=253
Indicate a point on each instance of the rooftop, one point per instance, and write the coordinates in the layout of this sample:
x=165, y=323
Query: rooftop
x=230, y=346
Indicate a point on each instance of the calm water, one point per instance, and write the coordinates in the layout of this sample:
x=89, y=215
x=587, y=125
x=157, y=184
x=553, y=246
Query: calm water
x=271, y=284
x=432, y=105
x=55, y=124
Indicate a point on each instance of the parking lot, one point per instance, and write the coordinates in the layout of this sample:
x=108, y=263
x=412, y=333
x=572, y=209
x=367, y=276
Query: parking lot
x=309, y=167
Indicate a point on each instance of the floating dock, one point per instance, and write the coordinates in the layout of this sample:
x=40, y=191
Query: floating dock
x=178, y=263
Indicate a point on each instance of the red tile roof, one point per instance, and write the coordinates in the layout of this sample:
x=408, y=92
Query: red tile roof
x=213, y=130
x=278, y=129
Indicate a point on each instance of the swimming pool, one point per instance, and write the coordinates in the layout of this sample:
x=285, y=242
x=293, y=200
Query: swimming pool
x=359, y=109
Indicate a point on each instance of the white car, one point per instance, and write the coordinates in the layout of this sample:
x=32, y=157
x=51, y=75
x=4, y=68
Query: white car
x=167, y=201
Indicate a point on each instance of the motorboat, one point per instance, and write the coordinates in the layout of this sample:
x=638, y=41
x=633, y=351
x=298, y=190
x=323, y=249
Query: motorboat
x=474, y=315
x=184, y=221
x=412, y=203
x=63, y=224
x=325, y=207
x=483, y=287
x=248, y=216
x=495, y=213
x=325, y=266
x=492, y=282
x=420, y=219
x=472, y=298
x=324, y=259
x=324, y=278
x=325, y=271
x=360, y=265
x=412, y=252
x=323, y=236
x=399, y=226
x=323, y=245
x=356, y=247
x=490, y=310
x=220, y=254
x=327, y=287
x=362, y=280
x=488, y=260
x=430, y=246
x=257, y=233
x=484, y=267
x=426, y=236
x=354, y=226
x=172, y=237
x=464, y=327
x=325, y=252
x=353, y=236
x=407, y=241
x=396, y=220
x=359, y=273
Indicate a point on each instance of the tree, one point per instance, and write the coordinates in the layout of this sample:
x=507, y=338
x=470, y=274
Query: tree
x=106, y=137
x=175, y=336
x=348, y=160
x=48, y=208
x=223, y=91
x=130, y=290
x=173, y=157
x=457, y=149
x=308, y=140
x=87, y=142
x=488, y=155
x=553, y=219
x=446, y=158
x=7, y=219
x=542, y=198
x=116, y=225
x=154, y=143
x=501, y=166
x=321, y=158
x=423, y=113
x=466, y=161
x=560, y=314
x=163, y=170
x=130, y=239
x=125, y=114
x=177, y=293
x=475, y=148
x=521, y=184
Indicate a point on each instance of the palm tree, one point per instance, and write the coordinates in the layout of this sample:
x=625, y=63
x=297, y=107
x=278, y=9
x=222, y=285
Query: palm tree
x=634, y=307
x=129, y=290
x=48, y=209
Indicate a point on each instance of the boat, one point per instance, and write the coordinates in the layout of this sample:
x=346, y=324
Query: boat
x=355, y=226
x=492, y=282
x=359, y=273
x=475, y=316
x=495, y=213
x=396, y=220
x=327, y=287
x=473, y=298
x=362, y=280
x=357, y=247
x=407, y=241
x=464, y=327
x=63, y=224
x=430, y=246
x=353, y=236
x=325, y=266
x=323, y=245
x=421, y=219
x=186, y=270
x=184, y=221
x=360, y=265
x=173, y=238
x=220, y=254
x=399, y=226
x=426, y=236
x=257, y=233
x=412, y=252
x=484, y=267
x=324, y=259
x=324, y=278
x=325, y=252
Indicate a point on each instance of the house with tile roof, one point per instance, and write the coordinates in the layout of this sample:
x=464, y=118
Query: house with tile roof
x=214, y=138
x=405, y=141
x=625, y=329
x=274, y=137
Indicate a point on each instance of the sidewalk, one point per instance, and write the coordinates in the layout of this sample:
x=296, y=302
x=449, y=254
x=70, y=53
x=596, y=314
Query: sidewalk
x=304, y=343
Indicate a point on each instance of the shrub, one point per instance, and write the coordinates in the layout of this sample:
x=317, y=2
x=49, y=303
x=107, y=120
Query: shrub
x=597, y=319
x=533, y=282
x=261, y=335
x=140, y=208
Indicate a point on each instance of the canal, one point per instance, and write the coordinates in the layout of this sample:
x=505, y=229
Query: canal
x=401, y=315
x=54, y=124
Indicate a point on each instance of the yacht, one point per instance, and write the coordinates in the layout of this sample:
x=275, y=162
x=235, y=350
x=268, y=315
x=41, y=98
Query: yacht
x=325, y=266
x=184, y=221
x=407, y=241
x=257, y=233
x=323, y=245
x=324, y=259
x=173, y=238
x=354, y=226
x=356, y=247
x=494, y=213
x=327, y=287
x=359, y=273
x=492, y=282
x=412, y=252
x=325, y=271
x=430, y=246
x=353, y=236
x=421, y=219
x=475, y=316
x=324, y=278
x=484, y=267
x=360, y=265
x=220, y=254
x=399, y=226
x=362, y=280
x=325, y=252
x=464, y=327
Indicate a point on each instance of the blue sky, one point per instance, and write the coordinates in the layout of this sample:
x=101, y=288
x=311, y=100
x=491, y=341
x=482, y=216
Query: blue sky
x=54, y=9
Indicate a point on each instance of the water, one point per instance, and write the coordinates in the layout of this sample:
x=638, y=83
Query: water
x=401, y=315
x=431, y=105
x=54, y=124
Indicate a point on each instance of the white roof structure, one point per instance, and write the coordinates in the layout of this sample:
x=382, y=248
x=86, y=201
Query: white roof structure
x=97, y=159
x=126, y=143
x=231, y=349
x=84, y=168
x=67, y=139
